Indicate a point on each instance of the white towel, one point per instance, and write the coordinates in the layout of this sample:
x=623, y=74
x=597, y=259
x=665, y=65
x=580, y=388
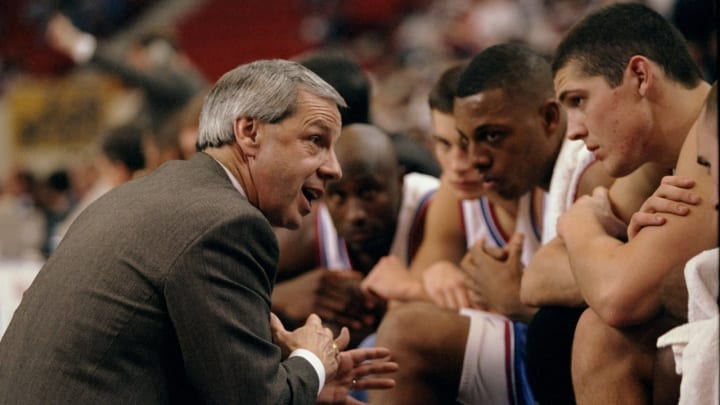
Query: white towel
x=571, y=163
x=701, y=276
x=695, y=344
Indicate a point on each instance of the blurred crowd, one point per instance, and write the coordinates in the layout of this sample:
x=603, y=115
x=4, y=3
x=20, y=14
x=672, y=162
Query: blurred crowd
x=157, y=90
x=511, y=100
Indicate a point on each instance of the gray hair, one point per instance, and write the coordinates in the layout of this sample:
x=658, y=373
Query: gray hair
x=265, y=90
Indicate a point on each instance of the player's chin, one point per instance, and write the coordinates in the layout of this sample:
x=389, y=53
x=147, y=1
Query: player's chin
x=618, y=168
x=509, y=192
x=463, y=195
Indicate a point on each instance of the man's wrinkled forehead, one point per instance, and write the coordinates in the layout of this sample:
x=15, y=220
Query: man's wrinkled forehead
x=318, y=112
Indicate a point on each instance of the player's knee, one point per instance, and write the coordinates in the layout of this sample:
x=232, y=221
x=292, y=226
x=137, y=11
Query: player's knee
x=585, y=352
x=666, y=382
x=595, y=345
x=401, y=329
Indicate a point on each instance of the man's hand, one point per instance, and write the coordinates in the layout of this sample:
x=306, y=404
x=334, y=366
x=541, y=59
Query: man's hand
x=445, y=283
x=291, y=297
x=672, y=197
x=391, y=280
x=338, y=299
x=312, y=336
x=598, y=206
x=357, y=370
x=62, y=35
x=495, y=276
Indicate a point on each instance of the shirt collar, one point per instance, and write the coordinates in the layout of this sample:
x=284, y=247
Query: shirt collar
x=233, y=180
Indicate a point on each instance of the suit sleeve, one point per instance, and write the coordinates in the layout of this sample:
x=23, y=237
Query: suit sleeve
x=218, y=299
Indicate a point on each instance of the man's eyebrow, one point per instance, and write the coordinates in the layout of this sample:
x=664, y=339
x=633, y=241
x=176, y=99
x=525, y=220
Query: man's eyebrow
x=476, y=131
x=563, y=95
x=484, y=128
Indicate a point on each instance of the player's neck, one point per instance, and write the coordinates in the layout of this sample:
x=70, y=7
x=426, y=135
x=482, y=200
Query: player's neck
x=676, y=118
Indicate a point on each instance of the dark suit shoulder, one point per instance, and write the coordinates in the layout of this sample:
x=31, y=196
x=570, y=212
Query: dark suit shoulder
x=166, y=211
x=160, y=285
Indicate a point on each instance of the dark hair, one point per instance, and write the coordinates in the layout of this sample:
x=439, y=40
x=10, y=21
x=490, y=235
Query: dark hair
x=347, y=77
x=442, y=95
x=123, y=144
x=58, y=180
x=604, y=41
x=516, y=68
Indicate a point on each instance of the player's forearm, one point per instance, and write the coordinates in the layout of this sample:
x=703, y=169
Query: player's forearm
x=281, y=297
x=548, y=280
x=551, y=286
x=612, y=281
x=593, y=260
x=290, y=299
x=425, y=258
x=413, y=290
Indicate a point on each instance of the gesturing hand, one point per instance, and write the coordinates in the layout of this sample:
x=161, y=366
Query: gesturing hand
x=357, y=370
x=312, y=336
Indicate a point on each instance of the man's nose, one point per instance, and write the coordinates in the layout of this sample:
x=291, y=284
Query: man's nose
x=479, y=156
x=576, y=127
x=459, y=160
x=356, y=210
x=330, y=170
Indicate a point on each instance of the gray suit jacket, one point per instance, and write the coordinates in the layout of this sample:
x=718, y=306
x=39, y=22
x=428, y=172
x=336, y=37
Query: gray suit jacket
x=159, y=293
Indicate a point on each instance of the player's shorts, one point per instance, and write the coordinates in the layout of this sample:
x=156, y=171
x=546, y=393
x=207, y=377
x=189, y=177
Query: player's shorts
x=493, y=369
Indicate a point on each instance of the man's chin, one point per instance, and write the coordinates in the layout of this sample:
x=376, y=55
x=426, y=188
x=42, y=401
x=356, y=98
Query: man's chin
x=616, y=170
x=468, y=195
x=509, y=194
x=287, y=222
x=291, y=225
x=368, y=243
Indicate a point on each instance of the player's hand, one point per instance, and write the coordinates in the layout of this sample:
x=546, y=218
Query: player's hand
x=673, y=196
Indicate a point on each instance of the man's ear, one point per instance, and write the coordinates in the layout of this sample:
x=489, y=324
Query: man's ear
x=640, y=71
x=246, y=135
x=551, y=112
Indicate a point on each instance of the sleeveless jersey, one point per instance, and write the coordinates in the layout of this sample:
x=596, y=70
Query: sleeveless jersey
x=479, y=220
x=494, y=367
x=418, y=190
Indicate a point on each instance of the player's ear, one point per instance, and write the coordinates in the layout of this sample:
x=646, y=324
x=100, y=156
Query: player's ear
x=640, y=72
